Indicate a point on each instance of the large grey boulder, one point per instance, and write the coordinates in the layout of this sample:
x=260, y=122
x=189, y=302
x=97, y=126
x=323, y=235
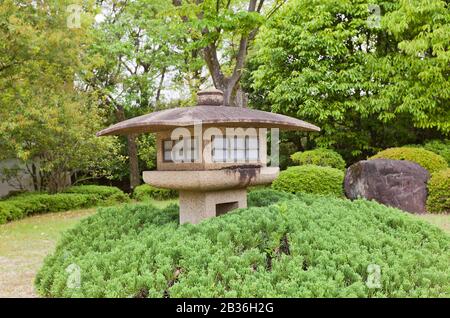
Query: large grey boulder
x=397, y=183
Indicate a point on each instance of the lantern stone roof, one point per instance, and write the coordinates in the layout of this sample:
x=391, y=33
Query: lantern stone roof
x=209, y=112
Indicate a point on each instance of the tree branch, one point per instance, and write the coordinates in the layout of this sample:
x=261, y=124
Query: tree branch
x=243, y=45
x=210, y=55
x=260, y=5
x=275, y=9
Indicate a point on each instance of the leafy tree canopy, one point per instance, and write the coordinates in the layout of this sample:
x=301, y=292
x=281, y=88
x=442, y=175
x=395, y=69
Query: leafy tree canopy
x=369, y=81
x=46, y=122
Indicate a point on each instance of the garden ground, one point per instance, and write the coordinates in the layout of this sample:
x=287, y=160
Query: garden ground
x=25, y=243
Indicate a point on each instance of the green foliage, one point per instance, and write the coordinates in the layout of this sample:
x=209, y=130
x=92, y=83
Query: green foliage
x=319, y=157
x=316, y=248
x=438, y=200
x=439, y=147
x=310, y=179
x=266, y=197
x=286, y=149
x=9, y=211
x=367, y=87
x=427, y=159
x=147, y=151
x=76, y=197
x=47, y=122
x=101, y=193
x=22, y=206
x=146, y=192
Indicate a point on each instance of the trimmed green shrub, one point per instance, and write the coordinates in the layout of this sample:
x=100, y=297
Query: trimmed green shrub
x=440, y=147
x=75, y=197
x=438, y=200
x=19, y=207
x=427, y=159
x=146, y=192
x=266, y=197
x=102, y=193
x=8, y=212
x=319, y=157
x=311, y=179
x=258, y=187
x=15, y=194
x=321, y=248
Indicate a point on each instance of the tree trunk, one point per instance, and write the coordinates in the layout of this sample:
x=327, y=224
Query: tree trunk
x=227, y=94
x=233, y=95
x=135, y=178
x=34, y=176
x=160, y=86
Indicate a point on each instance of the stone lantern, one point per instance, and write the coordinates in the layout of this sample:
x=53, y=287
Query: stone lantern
x=210, y=153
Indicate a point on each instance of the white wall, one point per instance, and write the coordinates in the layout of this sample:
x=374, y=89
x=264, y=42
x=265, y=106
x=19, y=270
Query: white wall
x=5, y=188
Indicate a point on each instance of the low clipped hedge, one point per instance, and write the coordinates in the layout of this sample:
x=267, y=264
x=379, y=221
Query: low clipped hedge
x=19, y=207
x=427, y=159
x=102, y=193
x=438, y=200
x=76, y=197
x=311, y=179
x=147, y=192
x=323, y=247
x=319, y=157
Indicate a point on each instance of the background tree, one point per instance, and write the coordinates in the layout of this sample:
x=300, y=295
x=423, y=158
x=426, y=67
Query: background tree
x=46, y=122
x=131, y=53
x=368, y=85
x=139, y=57
x=223, y=30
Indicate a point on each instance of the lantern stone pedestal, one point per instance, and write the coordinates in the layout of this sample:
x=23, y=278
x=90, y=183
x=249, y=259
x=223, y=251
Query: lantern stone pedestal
x=210, y=193
x=197, y=206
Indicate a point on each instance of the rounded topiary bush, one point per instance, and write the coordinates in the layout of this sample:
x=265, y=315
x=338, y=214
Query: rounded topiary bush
x=310, y=179
x=323, y=247
x=146, y=192
x=319, y=157
x=427, y=159
x=440, y=147
x=438, y=200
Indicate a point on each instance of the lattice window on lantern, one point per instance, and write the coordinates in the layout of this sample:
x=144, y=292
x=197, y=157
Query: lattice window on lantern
x=182, y=150
x=252, y=148
x=237, y=149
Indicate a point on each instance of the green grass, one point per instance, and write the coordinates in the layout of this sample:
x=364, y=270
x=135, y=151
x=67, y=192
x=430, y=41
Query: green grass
x=440, y=220
x=162, y=204
x=25, y=243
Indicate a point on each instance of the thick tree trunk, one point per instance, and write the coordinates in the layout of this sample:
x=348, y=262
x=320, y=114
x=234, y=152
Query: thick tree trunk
x=227, y=95
x=135, y=178
x=233, y=95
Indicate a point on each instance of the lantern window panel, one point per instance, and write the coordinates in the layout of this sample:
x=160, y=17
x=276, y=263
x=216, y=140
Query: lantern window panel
x=187, y=150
